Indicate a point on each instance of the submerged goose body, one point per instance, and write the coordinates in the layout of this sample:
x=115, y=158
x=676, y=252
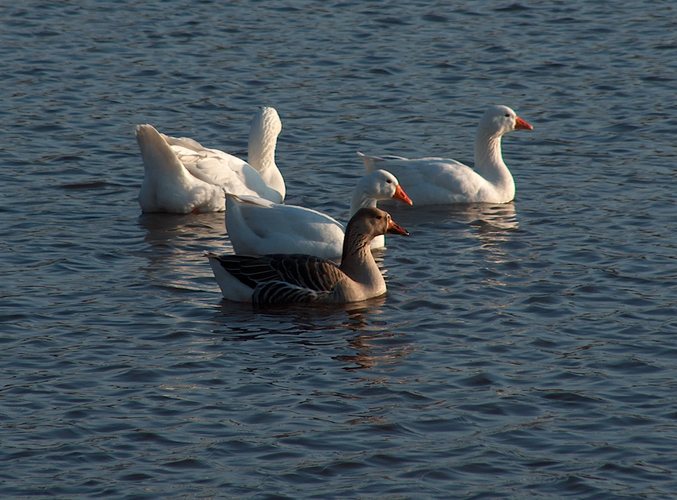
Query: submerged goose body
x=287, y=279
x=432, y=181
x=258, y=227
x=182, y=176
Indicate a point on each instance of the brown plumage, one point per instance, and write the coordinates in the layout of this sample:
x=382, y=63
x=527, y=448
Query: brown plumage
x=285, y=279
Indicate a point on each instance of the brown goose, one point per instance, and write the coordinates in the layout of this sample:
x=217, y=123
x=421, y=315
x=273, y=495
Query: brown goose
x=287, y=279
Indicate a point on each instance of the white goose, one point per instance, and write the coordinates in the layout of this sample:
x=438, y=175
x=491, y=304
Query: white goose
x=182, y=176
x=287, y=279
x=258, y=227
x=432, y=181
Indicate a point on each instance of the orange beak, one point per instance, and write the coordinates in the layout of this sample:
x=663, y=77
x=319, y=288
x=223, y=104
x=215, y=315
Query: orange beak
x=395, y=228
x=522, y=124
x=401, y=195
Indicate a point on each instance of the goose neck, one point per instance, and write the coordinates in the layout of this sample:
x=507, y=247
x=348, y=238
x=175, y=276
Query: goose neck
x=359, y=200
x=357, y=261
x=261, y=156
x=489, y=159
x=261, y=152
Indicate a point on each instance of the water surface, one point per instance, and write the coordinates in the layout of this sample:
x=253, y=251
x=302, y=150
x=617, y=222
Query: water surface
x=522, y=350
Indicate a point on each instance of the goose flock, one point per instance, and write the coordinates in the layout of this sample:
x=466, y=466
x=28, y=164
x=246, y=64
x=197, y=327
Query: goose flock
x=285, y=254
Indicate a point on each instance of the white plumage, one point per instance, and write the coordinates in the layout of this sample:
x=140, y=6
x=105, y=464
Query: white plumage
x=432, y=181
x=256, y=226
x=182, y=176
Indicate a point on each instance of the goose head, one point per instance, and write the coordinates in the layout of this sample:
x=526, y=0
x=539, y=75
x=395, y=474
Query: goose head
x=265, y=127
x=499, y=120
x=378, y=185
x=263, y=131
x=266, y=122
x=371, y=222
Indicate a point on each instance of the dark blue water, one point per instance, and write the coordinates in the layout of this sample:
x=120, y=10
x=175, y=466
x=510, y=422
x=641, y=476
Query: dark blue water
x=523, y=350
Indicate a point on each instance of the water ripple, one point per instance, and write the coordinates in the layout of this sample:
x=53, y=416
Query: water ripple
x=523, y=350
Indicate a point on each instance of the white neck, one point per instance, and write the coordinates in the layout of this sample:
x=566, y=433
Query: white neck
x=490, y=165
x=261, y=156
x=360, y=200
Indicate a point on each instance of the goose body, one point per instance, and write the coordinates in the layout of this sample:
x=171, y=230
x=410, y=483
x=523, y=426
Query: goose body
x=182, y=176
x=432, y=181
x=286, y=279
x=257, y=227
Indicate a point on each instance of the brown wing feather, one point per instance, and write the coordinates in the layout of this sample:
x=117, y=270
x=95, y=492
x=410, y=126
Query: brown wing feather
x=303, y=271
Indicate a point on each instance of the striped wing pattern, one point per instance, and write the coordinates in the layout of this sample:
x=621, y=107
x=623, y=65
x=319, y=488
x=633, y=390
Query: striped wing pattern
x=281, y=278
x=279, y=292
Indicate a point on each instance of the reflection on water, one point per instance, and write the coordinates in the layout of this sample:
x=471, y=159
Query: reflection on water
x=494, y=226
x=164, y=228
x=318, y=325
x=176, y=248
x=492, y=222
x=488, y=217
x=492, y=219
x=370, y=344
x=373, y=350
x=117, y=343
x=299, y=319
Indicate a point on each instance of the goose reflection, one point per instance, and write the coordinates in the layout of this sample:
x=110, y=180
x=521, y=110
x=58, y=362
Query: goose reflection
x=374, y=344
x=175, y=248
x=164, y=229
x=362, y=326
x=373, y=350
x=494, y=226
x=245, y=321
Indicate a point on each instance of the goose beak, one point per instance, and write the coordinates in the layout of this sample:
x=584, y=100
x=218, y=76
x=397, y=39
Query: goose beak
x=401, y=195
x=395, y=228
x=522, y=124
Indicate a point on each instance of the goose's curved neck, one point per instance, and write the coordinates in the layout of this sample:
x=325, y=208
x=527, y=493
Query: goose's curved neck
x=261, y=156
x=357, y=260
x=489, y=162
x=360, y=200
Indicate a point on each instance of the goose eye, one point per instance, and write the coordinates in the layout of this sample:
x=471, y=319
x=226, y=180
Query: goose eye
x=507, y=115
x=389, y=181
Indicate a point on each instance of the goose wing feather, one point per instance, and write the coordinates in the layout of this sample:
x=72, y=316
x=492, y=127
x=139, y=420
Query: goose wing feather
x=216, y=167
x=279, y=292
x=304, y=271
